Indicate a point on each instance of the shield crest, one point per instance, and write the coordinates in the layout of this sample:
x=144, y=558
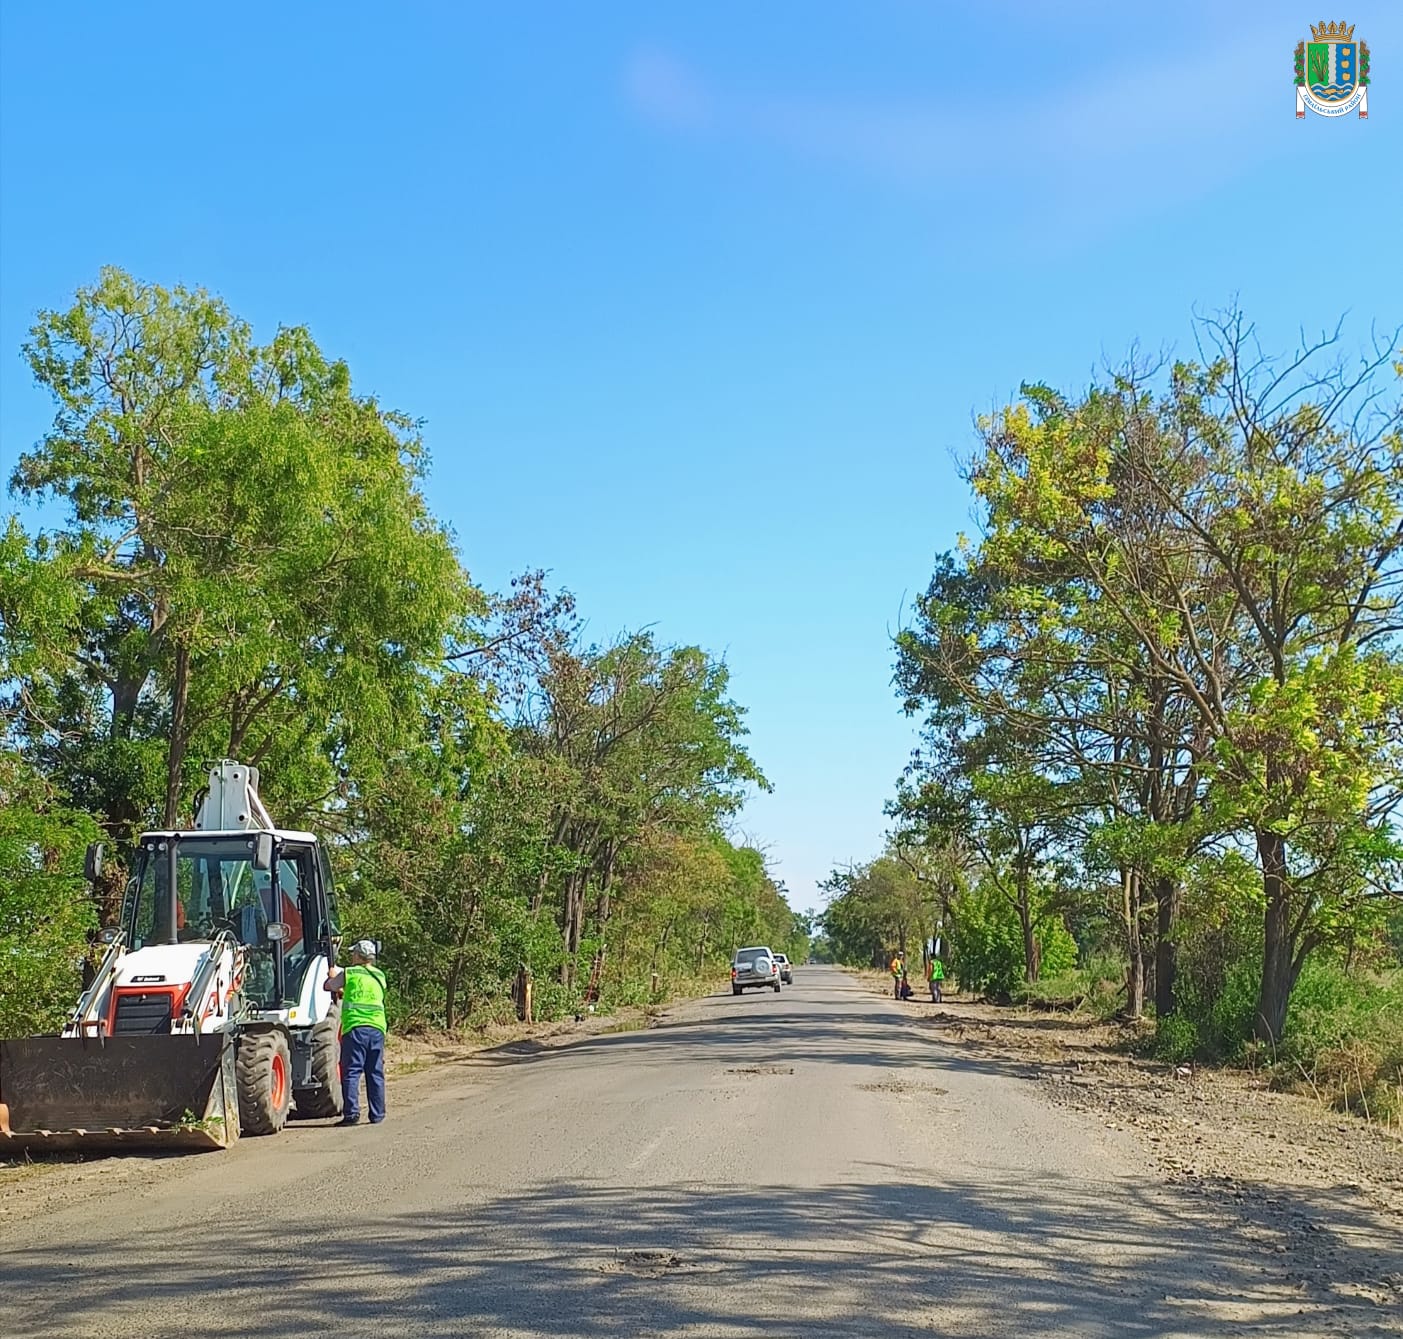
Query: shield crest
x=1332, y=72
x=1332, y=69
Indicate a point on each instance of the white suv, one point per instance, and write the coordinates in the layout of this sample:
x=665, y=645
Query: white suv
x=753, y=968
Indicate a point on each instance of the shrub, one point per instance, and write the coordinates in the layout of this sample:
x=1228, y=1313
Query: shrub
x=1058, y=949
x=1220, y=967
x=1344, y=1030
x=1098, y=986
x=1393, y=930
x=1344, y=1038
x=988, y=944
x=1176, y=1039
x=46, y=914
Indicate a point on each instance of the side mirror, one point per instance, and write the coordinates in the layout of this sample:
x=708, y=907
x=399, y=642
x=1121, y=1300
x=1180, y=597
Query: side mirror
x=92, y=862
x=109, y=935
x=263, y=850
x=276, y=932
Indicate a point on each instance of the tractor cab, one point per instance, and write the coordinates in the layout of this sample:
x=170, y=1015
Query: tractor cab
x=271, y=891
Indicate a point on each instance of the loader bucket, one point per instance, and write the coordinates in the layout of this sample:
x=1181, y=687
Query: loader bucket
x=118, y=1094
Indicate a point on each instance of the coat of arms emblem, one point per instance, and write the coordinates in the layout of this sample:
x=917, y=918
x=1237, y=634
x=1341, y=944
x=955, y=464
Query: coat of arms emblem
x=1332, y=72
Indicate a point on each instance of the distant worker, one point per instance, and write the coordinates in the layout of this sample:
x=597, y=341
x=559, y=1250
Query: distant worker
x=363, y=1026
x=935, y=974
x=898, y=970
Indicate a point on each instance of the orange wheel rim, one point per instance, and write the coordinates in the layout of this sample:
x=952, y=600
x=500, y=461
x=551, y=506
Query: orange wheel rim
x=279, y=1080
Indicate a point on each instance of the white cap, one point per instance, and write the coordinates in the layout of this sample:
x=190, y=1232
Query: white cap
x=365, y=947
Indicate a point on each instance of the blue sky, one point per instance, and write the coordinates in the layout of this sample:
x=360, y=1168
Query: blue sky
x=697, y=301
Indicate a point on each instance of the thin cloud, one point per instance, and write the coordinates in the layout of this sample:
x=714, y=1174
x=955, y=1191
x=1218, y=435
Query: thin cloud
x=666, y=92
x=1174, y=108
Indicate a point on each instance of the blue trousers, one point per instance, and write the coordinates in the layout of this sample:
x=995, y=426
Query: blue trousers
x=363, y=1052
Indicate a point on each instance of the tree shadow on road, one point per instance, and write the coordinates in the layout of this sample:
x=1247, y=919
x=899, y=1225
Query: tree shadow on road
x=802, y=1032
x=962, y=1257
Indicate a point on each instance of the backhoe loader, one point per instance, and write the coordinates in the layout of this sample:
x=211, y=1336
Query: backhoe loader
x=207, y=1017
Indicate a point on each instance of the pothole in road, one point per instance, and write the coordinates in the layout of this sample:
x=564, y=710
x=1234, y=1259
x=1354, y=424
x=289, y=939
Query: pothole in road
x=643, y=1262
x=902, y=1086
x=762, y=1069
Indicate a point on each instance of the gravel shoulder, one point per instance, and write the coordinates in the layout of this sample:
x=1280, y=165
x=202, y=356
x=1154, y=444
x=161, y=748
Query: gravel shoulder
x=1321, y=1189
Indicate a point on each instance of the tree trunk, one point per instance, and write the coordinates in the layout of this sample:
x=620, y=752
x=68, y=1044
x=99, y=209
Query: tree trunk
x=1278, y=970
x=521, y=992
x=126, y=695
x=659, y=945
x=577, y=914
x=573, y=928
x=1147, y=938
x=538, y=895
x=1135, y=953
x=175, y=757
x=450, y=1002
x=606, y=878
x=1166, y=950
x=1032, y=954
x=467, y=917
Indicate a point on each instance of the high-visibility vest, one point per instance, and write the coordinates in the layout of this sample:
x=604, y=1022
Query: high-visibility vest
x=937, y=970
x=896, y=966
x=363, y=1000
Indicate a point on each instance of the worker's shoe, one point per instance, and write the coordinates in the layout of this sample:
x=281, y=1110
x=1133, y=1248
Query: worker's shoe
x=346, y=1120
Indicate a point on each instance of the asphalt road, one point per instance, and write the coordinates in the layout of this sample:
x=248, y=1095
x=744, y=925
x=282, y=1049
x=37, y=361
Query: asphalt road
x=803, y=1164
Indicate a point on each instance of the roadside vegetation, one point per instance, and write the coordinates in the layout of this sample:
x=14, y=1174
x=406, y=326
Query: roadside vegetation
x=1161, y=698
x=233, y=556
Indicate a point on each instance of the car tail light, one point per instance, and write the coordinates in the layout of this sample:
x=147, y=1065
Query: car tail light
x=733, y=973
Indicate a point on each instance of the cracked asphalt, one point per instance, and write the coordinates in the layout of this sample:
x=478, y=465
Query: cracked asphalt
x=803, y=1164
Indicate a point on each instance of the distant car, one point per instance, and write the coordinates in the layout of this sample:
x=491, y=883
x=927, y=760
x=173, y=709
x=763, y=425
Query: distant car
x=786, y=969
x=754, y=968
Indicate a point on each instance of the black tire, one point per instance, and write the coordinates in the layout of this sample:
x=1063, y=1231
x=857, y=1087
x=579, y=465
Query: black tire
x=326, y=1098
x=776, y=987
x=263, y=1071
x=735, y=990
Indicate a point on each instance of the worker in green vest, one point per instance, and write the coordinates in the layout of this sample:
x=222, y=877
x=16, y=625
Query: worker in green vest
x=935, y=974
x=362, y=990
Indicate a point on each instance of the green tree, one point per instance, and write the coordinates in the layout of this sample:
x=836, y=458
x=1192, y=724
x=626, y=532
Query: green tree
x=635, y=739
x=876, y=908
x=46, y=917
x=247, y=562
x=1025, y=649
x=1268, y=601
x=246, y=566
x=989, y=951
